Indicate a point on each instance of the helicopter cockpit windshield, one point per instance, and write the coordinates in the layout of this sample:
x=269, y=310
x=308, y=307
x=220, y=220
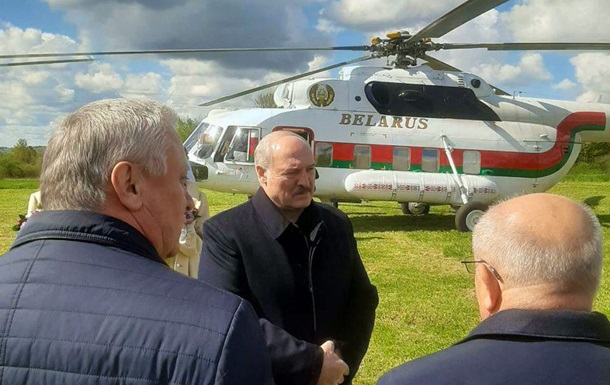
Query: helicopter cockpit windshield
x=233, y=144
x=206, y=137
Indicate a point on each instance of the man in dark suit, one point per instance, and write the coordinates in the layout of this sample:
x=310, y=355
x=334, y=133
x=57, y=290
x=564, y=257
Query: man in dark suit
x=297, y=262
x=537, y=263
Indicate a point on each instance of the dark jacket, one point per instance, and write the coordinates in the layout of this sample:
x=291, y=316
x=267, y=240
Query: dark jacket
x=525, y=347
x=253, y=251
x=85, y=299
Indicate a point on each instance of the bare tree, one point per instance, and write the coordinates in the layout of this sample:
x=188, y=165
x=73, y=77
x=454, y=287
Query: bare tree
x=265, y=100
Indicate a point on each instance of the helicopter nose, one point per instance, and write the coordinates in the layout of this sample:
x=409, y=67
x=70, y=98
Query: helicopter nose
x=199, y=171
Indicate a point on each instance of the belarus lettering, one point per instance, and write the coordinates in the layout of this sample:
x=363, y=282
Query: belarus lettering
x=383, y=121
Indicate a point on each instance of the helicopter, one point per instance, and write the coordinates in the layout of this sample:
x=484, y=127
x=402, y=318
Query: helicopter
x=416, y=131
x=418, y=135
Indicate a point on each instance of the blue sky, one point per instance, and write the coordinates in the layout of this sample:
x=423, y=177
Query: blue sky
x=35, y=98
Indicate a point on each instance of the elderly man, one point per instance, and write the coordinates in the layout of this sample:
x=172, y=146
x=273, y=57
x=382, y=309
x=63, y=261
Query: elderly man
x=297, y=262
x=538, y=261
x=86, y=296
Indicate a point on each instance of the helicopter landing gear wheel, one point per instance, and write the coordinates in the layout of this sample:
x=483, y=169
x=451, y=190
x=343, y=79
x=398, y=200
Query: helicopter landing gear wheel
x=468, y=215
x=415, y=208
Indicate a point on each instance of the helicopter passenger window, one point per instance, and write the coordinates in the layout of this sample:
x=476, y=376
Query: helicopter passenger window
x=429, y=160
x=362, y=157
x=401, y=160
x=428, y=101
x=324, y=154
x=471, y=162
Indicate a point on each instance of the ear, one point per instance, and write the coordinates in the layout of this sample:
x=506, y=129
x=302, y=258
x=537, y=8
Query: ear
x=126, y=179
x=260, y=173
x=489, y=292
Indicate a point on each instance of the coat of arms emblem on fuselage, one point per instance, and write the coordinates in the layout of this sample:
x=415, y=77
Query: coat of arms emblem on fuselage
x=321, y=94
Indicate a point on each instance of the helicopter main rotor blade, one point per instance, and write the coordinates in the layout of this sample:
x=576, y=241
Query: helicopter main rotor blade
x=30, y=63
x=530, y=46
x=456, y=17
x=184, y=51
x=436, y=64
x=291, y=78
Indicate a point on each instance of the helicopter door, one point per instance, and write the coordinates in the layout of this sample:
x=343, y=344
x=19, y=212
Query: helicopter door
x=241, y=148
x=536, y=146
x=223, y=148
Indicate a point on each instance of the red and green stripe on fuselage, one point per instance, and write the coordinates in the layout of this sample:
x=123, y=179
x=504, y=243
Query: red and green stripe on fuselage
x=493, y=163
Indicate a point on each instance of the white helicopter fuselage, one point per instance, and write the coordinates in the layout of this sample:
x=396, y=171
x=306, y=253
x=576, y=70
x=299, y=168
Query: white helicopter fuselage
x=406, y=135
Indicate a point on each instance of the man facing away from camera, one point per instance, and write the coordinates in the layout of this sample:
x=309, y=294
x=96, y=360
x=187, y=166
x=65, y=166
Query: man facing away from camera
x=86, y=297
x=537, y=263
x=297, y=262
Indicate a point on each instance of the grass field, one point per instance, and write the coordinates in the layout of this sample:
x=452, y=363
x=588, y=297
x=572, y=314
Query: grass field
x=426, y=296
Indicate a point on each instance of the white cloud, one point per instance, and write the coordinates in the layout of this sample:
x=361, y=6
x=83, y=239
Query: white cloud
x=592, y=73
x=565, y=85
x=530, y=69
x=370, y=15
x=328, y=26
x=35, y=97
x=559, y=20
x=99, y=78
x=161, y=24
x=147, y=85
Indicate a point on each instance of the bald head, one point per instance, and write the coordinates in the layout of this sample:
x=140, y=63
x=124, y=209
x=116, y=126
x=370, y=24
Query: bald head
x=542, y=240
x=263, y=154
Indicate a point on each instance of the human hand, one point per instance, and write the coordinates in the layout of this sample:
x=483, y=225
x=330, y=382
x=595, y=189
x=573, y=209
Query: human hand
x=333, y=368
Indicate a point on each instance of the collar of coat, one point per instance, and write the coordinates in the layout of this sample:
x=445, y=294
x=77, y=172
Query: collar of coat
x=309, y=221
x=544, y=325
x=86, y=226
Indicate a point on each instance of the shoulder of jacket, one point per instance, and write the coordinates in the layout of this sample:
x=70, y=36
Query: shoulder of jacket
x=331, y=212
x=208, y=295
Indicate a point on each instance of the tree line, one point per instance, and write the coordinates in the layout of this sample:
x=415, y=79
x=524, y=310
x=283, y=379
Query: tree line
x=24, y=161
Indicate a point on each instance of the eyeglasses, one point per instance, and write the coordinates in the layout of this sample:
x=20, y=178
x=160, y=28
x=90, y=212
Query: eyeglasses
x=470, y=265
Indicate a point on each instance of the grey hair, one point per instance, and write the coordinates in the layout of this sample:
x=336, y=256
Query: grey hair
x=262, y=153
x=523, y=260
x=86, y=146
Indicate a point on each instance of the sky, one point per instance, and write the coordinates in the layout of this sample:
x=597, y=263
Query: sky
x=34, y=99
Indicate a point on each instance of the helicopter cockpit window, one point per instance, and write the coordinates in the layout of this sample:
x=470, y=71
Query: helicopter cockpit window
x=207, y=137
x=324, y=154
x=429, y=101
x=242, y=146
x=377, y=93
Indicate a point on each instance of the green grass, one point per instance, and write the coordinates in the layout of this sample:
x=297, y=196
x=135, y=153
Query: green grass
x=426, y=297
